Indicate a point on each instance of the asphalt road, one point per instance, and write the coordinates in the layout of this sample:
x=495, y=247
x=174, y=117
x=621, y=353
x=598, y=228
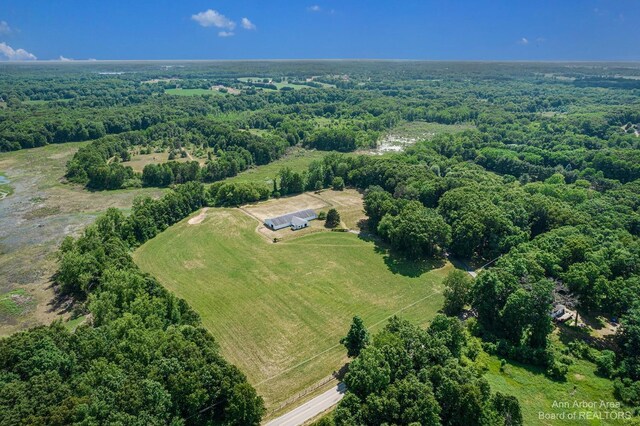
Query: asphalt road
x=311, y=408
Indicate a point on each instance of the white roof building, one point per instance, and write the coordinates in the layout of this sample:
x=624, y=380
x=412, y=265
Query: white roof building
x=296, y=220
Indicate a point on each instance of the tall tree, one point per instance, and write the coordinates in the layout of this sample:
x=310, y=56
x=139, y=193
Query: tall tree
x=333, y=218
x=357, y=338
x=457, y=291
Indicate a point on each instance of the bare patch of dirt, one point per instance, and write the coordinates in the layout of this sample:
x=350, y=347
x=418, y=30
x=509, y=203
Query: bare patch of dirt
x=198, y=219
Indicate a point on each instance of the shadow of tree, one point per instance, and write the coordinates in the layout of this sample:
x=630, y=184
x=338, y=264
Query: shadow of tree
x=568, y=334
x=60, y=303
x=400, y=264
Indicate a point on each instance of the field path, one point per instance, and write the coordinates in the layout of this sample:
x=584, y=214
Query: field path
x=312, y=408
x=198, y=219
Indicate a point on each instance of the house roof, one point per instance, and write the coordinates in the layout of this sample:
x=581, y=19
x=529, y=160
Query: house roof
x=287, y=218
x=297, y=221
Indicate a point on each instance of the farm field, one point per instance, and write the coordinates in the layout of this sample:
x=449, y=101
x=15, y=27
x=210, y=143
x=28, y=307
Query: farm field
x=279, y=310
x=38, y=212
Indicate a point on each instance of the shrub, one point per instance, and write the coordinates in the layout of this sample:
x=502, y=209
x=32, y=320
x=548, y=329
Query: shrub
x=558, y=370
x=627, y=391
x=606, y=363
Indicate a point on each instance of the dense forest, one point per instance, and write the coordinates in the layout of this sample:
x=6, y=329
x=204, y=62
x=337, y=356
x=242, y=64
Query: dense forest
x=543, y=186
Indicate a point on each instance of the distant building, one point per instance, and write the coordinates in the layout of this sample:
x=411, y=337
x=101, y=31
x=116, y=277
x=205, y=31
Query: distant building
x=296, y=220
x=561, y=313
x=558, y=311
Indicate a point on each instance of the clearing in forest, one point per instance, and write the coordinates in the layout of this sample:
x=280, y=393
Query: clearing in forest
x=279, y=310
x=408, y=133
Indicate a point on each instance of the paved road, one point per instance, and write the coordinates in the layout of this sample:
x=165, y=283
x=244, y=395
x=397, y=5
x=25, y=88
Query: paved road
x=311, y=408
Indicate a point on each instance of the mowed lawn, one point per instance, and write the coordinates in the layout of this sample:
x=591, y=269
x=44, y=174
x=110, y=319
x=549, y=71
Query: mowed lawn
x=279, y=310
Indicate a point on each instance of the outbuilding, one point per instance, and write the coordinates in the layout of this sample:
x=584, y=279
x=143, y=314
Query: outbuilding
x=295, y=220
x=298, y=223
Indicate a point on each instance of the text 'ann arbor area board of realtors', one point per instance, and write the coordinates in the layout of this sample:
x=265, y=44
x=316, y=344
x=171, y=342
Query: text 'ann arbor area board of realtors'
x=524, y=174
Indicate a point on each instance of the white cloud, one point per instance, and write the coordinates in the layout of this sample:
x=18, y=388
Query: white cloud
x=4, y=27
x=314, y=8
x=17, y=54
x=247, y=24
x=226, y=34
x=63, y=59
x=523, y=41
x=212, y=18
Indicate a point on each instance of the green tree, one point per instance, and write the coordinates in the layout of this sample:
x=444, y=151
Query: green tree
x=333, y=218
x=337, y=184
x=416, y=231
x=457, y=291
x=244, y=407
x=369, y=373
x=357, y=338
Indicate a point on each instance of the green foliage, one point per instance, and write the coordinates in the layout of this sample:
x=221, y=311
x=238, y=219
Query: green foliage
x=237, y=193
x=333, y=218
x=337, y=184
x=413, y=376
x=416, y=230
x=457, y=291
x=357, y=338
x=343, y=140
x=145, y=357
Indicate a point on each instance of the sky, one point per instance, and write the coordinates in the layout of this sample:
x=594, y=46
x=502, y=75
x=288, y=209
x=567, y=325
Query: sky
x=581, y=30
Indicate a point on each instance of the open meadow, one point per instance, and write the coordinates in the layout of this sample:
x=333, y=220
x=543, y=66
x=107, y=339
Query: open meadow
x=39, y=210
x=279, y=310
x=537, y=393
x=297, y=159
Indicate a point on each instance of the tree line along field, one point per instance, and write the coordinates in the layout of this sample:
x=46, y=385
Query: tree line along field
x=279, y=310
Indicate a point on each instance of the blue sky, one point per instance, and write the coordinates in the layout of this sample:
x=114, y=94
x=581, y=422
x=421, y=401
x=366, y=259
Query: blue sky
x=259, y=29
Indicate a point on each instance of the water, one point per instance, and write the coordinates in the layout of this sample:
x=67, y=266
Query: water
x=3, y=179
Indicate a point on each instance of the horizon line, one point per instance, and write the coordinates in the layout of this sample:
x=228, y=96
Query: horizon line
x=67, y=61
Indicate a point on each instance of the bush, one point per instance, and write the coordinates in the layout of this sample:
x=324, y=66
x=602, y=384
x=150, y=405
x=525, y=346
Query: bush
x=322, y=215
x=627, y=391
x=606, y=363
x=558, y=370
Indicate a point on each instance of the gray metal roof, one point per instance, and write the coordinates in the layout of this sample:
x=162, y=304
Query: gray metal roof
x=286, y=219
x=296, y=221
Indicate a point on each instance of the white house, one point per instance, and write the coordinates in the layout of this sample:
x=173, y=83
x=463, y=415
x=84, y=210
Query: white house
x=296, y=220
x=299, y=223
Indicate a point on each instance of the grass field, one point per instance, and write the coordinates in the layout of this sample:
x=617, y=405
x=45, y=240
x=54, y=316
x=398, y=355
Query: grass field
x=280, y=84
x=279, y=310
x=297, y=160
x=138, y=161
x=537, y=393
